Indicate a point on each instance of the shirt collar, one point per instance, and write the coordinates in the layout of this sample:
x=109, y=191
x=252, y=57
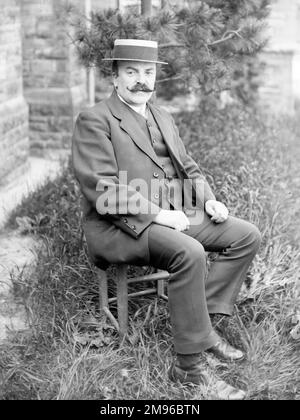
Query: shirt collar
x=136, y=109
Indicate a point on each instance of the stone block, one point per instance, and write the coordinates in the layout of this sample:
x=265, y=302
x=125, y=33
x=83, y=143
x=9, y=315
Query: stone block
x=37, y=118
x=53, y=52
x=59, y=79
x=3, y=65
x=40, y=7
x=9, y=16
x=14, y=88
x=42, y=66
x=29, y=24
x=15, y=153
x=14, y=52
x=62, y=66
x=44, y=28
x=41, y=109
x=49, y=96
x=13, y=129
x=13, y=121
x=38, y=126
x=60, y=125
x=44, y=141
x=51, y=109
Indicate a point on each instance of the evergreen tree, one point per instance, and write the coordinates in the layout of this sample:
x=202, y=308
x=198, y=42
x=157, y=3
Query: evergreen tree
x=211, y=45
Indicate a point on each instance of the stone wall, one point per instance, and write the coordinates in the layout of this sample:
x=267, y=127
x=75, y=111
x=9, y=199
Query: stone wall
x=14, y=143
x=277, y=91
x=54, y=83
x=103, y=4
x=283, y=24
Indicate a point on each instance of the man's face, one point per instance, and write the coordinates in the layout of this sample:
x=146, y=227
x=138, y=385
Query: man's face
x=135, y=81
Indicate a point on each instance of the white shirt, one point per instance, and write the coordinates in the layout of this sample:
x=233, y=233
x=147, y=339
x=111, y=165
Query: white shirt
x=137, y=109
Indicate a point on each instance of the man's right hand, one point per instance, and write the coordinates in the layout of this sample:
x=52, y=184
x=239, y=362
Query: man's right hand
x=175, y=219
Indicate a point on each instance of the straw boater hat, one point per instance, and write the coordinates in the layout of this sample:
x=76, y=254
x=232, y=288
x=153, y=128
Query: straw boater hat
x=135, y=50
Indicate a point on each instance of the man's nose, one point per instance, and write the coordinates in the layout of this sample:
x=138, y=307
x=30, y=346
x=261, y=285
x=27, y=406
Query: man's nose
x=140, y=78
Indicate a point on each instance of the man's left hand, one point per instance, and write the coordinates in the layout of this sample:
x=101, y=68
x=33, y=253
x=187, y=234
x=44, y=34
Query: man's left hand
x=217, y=210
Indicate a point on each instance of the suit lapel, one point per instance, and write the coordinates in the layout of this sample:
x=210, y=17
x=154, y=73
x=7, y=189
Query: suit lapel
x=167, y=132
x=130, y=126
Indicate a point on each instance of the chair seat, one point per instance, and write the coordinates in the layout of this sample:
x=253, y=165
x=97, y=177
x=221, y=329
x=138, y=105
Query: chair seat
x=122, y=281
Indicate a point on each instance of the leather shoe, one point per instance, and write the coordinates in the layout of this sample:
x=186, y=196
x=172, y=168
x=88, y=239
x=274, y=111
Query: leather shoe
x=226, y=352
x=187, y=370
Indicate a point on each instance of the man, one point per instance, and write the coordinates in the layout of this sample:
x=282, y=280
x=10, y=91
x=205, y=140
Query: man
x=120, y=147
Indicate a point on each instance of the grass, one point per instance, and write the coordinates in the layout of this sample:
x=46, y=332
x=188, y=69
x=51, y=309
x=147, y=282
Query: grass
x=71, y=352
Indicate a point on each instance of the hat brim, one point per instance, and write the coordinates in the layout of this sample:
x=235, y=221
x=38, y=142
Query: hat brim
x=134, y=59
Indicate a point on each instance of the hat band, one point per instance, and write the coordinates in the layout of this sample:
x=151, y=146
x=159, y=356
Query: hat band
x=129, y=52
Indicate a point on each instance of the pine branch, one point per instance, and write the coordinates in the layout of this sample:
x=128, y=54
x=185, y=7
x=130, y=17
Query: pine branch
x=167, y=79
x=199, y=43
x=225, y=37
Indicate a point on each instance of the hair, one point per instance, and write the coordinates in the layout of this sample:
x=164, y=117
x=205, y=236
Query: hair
x=115, y=68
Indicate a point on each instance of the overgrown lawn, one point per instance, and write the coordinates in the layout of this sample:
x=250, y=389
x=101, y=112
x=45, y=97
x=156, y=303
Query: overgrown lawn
x=71, y=352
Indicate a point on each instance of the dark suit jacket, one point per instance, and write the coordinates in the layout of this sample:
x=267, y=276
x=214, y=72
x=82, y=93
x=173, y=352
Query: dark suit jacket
x=107, y=140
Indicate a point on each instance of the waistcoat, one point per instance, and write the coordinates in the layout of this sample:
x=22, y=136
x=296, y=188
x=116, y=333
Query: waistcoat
x=153, y=133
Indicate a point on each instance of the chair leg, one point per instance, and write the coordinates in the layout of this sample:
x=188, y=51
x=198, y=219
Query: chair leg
x=122, y=298
x=160, y=287
x=103, y=292
x=103, y=297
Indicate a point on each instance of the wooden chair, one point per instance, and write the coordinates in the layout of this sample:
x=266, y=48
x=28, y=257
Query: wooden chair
x=122, y=281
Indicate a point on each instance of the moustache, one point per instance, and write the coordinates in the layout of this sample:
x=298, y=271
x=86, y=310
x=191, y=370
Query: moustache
x=141, y=88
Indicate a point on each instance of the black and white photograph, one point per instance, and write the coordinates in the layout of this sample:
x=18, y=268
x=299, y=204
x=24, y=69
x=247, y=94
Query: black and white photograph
x=149, y=203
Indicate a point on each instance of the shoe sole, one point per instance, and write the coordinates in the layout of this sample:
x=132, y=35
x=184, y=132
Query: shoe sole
x=224, y=359
x=239, y=394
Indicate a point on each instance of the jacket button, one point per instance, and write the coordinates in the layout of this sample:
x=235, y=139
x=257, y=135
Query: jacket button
x=133, y=227
x=155, y=175
x=125, y=220
x=156, y=195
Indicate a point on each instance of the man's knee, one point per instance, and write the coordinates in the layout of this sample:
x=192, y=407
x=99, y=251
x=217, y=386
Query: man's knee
x=246, y=235
x=255, y=237
x=194, y=253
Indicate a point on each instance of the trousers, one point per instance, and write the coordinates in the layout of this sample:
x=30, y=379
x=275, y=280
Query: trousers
x=194, y=293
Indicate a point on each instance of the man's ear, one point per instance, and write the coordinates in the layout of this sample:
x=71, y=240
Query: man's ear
x=114, y=77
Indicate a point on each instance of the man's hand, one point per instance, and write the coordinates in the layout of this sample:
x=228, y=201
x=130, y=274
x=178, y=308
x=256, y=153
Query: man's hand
x=217, y=210
x=175, y=219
